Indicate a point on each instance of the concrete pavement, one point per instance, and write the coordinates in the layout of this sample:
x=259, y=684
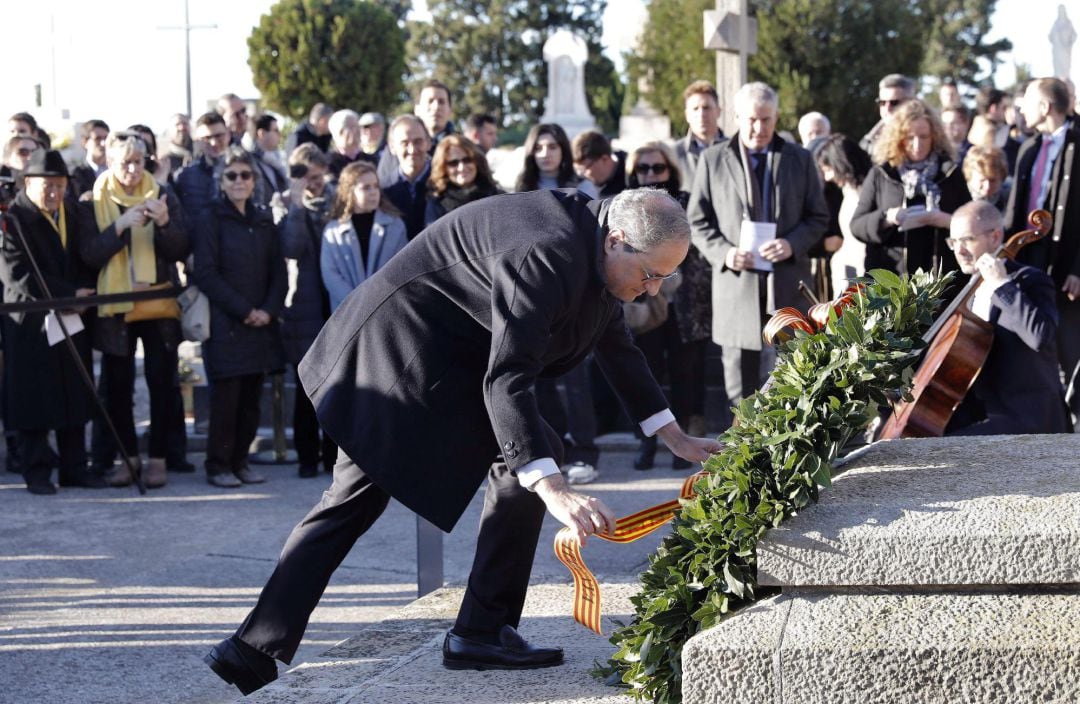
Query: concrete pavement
x=106, y=596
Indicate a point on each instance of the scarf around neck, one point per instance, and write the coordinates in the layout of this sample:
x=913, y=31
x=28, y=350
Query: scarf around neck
x=125, y=267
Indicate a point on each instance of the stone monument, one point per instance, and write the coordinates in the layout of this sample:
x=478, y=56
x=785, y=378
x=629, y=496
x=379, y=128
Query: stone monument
x=933, y=570
x=566, y=54
x=732, y=33
x=644, y=123
x=1062, y=38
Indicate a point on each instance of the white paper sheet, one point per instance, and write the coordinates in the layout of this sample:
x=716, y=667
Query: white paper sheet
x=752, y=236
x=52, y=326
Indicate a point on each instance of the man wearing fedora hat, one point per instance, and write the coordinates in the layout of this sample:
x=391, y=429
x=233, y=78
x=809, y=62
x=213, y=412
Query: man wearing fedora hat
x=41, y=380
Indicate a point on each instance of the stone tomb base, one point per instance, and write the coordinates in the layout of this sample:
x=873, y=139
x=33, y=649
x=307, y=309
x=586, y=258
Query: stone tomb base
x=940, y=570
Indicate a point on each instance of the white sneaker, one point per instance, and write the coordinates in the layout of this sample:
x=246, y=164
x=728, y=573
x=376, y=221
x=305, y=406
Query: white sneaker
x=581, y=473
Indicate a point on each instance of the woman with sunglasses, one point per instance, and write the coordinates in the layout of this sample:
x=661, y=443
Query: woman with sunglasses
x=677, y=345
x=906, y=201
x=240, y=268
x=459, y=174
x=363, y=233
x=134, y=235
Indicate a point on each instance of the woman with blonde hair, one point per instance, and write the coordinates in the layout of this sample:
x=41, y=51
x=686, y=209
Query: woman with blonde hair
x=459, y=174
x=134, y=233
x=906, y=201
x=363, y=233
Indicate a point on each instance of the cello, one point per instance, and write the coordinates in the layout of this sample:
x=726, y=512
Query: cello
x=957, y=345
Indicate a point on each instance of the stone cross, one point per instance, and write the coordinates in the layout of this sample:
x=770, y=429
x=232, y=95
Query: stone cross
x=732, y=33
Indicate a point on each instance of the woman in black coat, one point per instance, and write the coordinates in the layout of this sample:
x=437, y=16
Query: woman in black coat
x=678, y=345
x=308, y=306
x=240, y=268
x=906, y=202
x=133, y=232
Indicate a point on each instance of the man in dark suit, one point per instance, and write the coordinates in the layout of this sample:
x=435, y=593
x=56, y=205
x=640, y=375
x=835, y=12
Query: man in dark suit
x=426, y=372
x=1018, y=390
x=407, y=189
x=754, y=181
x=702, y=106
x=1046, y=167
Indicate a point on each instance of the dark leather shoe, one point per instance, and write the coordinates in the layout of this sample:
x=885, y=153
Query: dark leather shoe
x=678, y=463
x=225, y=480
x=184, y=467
x=86, y=480
x=646, y=456
x=41, y=488
x=241, y=665
x=511, y=653
x=307, y=471
x=248, y=476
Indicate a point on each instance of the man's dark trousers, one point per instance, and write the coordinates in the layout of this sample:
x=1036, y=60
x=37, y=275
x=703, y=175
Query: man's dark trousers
x=509, y=530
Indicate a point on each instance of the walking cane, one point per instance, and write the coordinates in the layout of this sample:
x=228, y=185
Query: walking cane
x=83, y=372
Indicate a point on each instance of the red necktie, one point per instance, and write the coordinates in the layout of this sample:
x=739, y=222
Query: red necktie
x=1037, y=177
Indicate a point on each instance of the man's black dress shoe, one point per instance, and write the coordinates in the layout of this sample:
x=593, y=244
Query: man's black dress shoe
x=183, y=467
x=239, y=664
x=511, y=652
x=85, y=479
x=646, y=454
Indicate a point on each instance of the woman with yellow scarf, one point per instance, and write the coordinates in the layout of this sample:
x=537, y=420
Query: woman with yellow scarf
x=134, y=233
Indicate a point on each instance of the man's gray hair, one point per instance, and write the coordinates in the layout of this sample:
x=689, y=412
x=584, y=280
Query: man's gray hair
x=900, y=81
x=982, y=214
x=648, y=218
x=407, y=119
x=751, y=94
x=338, y=119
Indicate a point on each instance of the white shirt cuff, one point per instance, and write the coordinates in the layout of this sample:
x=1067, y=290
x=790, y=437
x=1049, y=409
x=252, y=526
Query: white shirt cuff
x=536, y=470
x=650, y=425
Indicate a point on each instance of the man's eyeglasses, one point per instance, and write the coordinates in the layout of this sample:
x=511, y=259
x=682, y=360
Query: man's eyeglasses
x=955, y=243
x=454, y=163
x=657, y=169
x=649, y=277
x=242, y=175
x=895, y=102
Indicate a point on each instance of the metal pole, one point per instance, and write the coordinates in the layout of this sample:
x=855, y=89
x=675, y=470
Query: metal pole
x=187, y=55
x=429, y=557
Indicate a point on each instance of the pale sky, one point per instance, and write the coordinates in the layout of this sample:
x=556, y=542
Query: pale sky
x=113, y=62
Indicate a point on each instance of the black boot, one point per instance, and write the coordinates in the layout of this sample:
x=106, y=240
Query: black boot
x=646, y=454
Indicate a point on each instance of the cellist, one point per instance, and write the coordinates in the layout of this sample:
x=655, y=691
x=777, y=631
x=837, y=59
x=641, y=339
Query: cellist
x=1019, y=389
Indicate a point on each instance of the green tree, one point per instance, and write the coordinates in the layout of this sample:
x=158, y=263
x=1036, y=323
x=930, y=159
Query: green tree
x=348, y=53
x=491, y=55
x=825, y=55
x=671, y=54
x=829, y=55
x=956, y=43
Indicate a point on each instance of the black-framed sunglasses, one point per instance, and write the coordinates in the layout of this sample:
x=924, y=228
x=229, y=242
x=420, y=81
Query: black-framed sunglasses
x=454, y=163
x=896, y=102
x=649, y=277
x=242, y=175
x=656, y=169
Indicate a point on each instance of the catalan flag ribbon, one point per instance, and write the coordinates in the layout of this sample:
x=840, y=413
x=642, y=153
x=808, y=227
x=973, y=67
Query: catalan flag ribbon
x=627, y=530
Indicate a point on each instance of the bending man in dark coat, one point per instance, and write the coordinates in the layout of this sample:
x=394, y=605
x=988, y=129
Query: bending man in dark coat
x=425, y=373
x=1018, y=390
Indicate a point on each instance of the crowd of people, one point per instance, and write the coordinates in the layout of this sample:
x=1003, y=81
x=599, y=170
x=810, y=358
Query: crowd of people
x=278, y=233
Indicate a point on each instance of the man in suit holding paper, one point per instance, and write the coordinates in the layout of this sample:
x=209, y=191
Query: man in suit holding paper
x=756, y=209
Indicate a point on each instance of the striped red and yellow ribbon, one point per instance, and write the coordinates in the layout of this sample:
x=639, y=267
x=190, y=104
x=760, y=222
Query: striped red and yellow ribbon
x=627, y=530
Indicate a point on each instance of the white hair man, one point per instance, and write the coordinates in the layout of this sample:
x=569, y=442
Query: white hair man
x=756, y=211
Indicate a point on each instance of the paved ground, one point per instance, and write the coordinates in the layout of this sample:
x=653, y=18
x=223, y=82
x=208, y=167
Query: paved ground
x=106, y=596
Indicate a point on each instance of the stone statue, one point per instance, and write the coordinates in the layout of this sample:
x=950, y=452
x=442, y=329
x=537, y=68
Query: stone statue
x=1062, y=38
x=566, y=54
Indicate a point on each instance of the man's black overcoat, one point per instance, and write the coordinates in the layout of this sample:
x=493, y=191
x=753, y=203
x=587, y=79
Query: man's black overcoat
x=43, y=386
x=425, y=372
